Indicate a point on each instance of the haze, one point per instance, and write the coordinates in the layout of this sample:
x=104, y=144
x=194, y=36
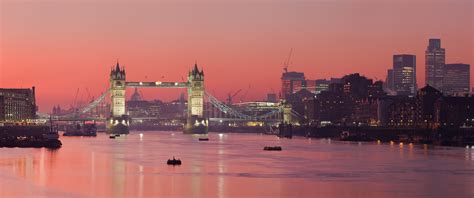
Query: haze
x=60, y=46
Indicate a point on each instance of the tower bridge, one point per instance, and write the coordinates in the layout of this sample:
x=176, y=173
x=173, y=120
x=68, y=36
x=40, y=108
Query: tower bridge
x=119, y=121
x=197, y=118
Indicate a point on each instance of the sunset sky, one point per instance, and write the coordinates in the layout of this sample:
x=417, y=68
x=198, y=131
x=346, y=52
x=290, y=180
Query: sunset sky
x=62, y=45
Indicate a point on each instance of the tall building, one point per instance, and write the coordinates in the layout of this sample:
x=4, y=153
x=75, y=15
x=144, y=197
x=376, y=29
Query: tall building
x=291, y=82
x=434, y=64
x=456, y=79
x=404, y=74
x=17, y=104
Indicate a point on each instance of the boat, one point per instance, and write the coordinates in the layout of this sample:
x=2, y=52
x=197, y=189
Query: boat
x=203, y=139
x=272, y=148
x=85, y=129
x=173, y=161
x=51, y=135
x=113, y=136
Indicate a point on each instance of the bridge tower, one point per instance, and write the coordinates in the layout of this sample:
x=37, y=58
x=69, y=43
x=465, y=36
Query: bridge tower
x=196, y=123
x=118, y=121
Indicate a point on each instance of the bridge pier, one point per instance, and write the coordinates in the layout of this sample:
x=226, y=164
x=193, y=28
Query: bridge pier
x=118, y=125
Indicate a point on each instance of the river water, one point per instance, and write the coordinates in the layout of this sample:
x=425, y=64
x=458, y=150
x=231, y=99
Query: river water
x=234, y=165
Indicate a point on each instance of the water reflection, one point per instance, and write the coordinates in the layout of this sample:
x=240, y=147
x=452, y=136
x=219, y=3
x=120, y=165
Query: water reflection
x=235, y=165
x=469, y=153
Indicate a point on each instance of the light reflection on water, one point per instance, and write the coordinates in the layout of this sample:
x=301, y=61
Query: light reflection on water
x=234, y=165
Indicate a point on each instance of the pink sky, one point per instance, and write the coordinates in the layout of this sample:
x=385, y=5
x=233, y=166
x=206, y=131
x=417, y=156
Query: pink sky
x=62, y=45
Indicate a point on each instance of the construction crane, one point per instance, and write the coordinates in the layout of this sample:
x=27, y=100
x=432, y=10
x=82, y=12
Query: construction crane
x=89, y=97
x=74, y=104
x=245, y=94
x=286, y=64
x=230, y=96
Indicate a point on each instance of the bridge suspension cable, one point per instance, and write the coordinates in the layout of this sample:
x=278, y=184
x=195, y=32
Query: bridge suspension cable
x=226, y=109
x=83, y=110
x=212, y=100
x=229, y=110
x=94, y=103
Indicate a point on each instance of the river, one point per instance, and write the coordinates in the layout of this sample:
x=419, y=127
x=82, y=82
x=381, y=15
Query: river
x=234, y=165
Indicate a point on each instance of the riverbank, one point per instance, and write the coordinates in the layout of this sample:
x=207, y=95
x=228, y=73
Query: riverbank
x=459, y=137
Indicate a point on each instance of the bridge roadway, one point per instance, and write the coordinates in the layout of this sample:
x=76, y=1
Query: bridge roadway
x=158, y=84
x=154, y=118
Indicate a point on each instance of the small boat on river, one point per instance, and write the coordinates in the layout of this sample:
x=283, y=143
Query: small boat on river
x=272, y=148
x=173, y=161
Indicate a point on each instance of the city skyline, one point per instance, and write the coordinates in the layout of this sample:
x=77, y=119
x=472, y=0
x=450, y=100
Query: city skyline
x=236, y=98
x=245, y=46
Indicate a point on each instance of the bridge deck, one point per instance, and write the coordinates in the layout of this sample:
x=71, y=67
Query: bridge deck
x=158, y=84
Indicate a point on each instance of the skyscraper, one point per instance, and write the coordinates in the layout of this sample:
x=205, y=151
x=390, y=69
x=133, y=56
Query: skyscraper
x=404, y=74
x=456, y=79
x=434, y=64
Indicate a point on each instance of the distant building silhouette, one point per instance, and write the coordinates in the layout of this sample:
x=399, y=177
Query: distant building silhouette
x=272, y=97
x=403, y=74
x=323, y=84
x=456, y=79
x=291, y=82
x=352, y=101
x=434, y=64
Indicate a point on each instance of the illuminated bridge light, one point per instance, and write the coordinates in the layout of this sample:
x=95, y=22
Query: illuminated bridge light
x=141, y=83
x=157, y=83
